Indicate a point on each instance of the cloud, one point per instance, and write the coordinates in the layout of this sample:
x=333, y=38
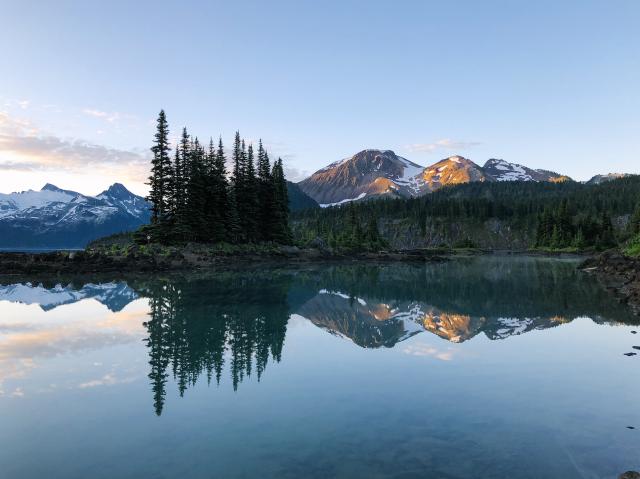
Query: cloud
x=23, y=147
x=109, y=379
x=426, y=350
x=32, y=344
x=294, y=174
x=443, y=144
x=110, y=117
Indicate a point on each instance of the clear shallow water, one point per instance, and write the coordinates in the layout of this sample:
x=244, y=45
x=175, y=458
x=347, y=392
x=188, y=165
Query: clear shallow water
x=488, y=367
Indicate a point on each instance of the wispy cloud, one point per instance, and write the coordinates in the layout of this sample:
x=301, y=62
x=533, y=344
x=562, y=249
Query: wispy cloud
x=426, y=350
x=443, y=144
x=110, y=117
x=23, y=147
x=109, y=379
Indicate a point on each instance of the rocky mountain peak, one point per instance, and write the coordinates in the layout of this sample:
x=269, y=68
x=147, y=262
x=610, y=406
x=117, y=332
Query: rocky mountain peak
x=451, y=171
x=50, y=187
x=117, y=190
x=368, y=173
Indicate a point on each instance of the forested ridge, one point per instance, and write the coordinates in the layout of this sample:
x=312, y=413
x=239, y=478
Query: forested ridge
x=544, y=215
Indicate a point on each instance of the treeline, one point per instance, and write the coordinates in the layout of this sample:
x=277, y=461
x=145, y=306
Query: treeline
x=558, y=229
x=549, y=215
x=353, y=233
x=193, y=198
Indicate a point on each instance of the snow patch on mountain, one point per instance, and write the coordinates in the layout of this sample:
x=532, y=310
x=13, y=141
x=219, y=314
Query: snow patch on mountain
x=341, y=202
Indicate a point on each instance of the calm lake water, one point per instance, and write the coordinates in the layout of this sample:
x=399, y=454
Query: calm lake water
x=487, y=367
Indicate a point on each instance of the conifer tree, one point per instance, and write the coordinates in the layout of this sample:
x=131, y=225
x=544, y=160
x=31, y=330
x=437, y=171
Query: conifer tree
x=266, y=195
x=196, y=214
x=161, y=171
x=250, y=224
x=281, y=229
x=227, y=206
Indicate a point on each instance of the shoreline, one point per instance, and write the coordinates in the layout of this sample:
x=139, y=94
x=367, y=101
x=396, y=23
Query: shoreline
x=196, y=257
x=619, y=274
x=189, y=259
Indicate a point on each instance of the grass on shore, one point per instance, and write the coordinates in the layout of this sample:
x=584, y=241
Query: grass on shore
x=632, y=248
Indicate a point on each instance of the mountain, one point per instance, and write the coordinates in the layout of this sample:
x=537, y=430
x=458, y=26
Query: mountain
x=599, y=179
x=115, y=296
x=369, y=173
x=452, y=171
x=117, y=195
x=57, y=218
x=298, y=199
x=375, y=173
x=500, y=170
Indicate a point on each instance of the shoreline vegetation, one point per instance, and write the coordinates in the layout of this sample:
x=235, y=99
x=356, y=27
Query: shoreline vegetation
x=122, y=254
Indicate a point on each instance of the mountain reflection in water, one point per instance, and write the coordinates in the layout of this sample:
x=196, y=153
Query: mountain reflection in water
x=200, y=326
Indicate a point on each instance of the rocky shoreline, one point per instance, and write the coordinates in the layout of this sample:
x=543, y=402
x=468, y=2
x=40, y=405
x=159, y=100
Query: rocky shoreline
x=618, y=273
x=190, y=257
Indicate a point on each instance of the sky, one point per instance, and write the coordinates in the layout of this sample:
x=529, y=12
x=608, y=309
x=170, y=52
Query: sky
x=547, y=84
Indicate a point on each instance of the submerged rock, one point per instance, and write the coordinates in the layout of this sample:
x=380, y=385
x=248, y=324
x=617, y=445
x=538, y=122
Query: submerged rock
x=629, y=475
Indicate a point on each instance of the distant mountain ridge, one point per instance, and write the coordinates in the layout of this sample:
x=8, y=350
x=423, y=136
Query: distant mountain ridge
x=599, y=179
x=57, y=218
x=378, y=173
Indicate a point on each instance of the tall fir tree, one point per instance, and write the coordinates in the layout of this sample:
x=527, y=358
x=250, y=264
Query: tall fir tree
x=266, y=195
x=251, y=202
x=227, y=197
x=281, y=230
x=161, y=172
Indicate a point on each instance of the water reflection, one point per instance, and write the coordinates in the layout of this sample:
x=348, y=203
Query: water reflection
x=202, y=326
x=195, y=326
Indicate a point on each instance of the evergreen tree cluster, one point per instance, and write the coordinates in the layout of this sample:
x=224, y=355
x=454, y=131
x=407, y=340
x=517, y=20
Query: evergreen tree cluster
x=558, y=229
x=353, y=234
x=193, y=198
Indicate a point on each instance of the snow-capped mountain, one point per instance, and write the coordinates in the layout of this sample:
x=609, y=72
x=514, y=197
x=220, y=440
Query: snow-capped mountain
x=599, y=179
x=372, y=323
x=369, y=173
x=375, y=173
x=115, y=296
x=501, y=170
x=57, y=218
x=117, y=195
x=452, y=171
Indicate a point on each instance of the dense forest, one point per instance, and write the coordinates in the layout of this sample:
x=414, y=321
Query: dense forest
x=522, y=214
x=193, y=198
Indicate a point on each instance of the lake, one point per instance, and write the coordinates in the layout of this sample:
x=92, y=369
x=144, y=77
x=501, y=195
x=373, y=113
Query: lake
x=492, y=367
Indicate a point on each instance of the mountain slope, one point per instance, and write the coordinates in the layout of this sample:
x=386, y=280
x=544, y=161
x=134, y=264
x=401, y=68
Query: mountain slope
x=599, y=179
x=369, y=173
x=57, y=218
x=298, y=199
x=500, y=170
x=452, y=171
